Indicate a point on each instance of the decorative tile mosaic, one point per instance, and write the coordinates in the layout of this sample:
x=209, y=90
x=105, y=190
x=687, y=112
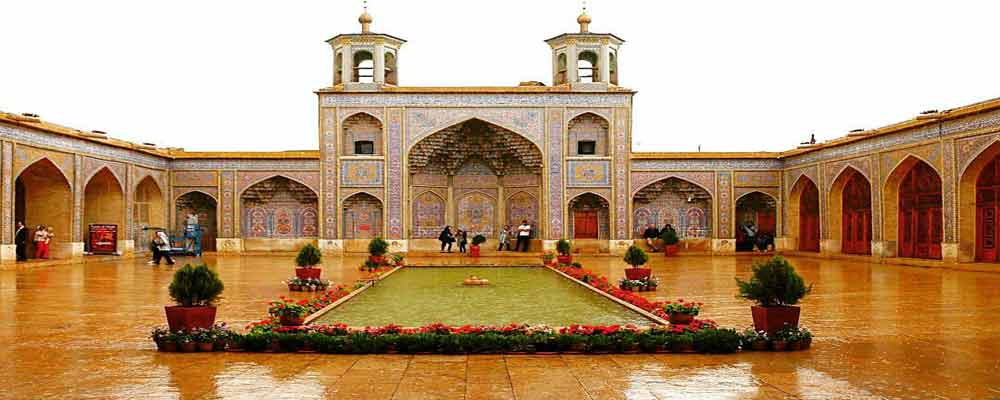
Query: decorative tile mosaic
x=477, y=214
x=621, y=157
x=428, y=215
x=228, y=183
x=757, y=179
x=362, y=217
x=492, y=99
x=25, y=156
x=705, y=165
x=969, y=148
x=374, y=192
x=555, y=174
x=704, y=179
x=522, y=205
x=929, y=153
x=245, y=179
x=91, y=166
x=949, y=187
x=347, y=112
x=429, y=180
x=328, y=155
x=588, y=173
x=792, y=176
x=743, y=191
x=474, y=181
x=521, y=180
x=78, y=146
x=576, y=112
x=725, y=187
x=78, y=198
x=212, y=192
x=246, y=165
x=876, y=201
x=354, y=173
x=833, y=170
x=395, y=203
x=7, y=158
x=421, y=122
x=196, y=178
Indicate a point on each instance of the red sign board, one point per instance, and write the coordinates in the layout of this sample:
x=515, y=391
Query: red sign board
x=103, y=238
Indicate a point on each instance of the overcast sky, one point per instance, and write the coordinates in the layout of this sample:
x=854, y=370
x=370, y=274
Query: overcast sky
x=726, y=75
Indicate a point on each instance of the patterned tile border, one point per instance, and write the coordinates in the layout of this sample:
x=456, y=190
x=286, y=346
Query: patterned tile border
x=555, y=174
x=498, y=99
x=621, y=171
x=394, y=211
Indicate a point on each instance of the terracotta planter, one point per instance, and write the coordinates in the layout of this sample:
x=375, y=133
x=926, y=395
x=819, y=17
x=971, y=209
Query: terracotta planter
x=219, y=345
x=169, y=346
x=635, y=274
x=565, y=259
x=772, y=319
x=190, y=318
x=308, y=273
x=681, y=319
x=287, y=320
x=206, y=347
x=779, y=345
x=670, y=250
x=759, y=345
x=377, y=259
x=807, y=343
x=474, y=251
x=187, y=347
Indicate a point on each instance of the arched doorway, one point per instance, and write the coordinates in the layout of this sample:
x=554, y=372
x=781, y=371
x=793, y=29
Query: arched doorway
x=987, y=203
x=279, y=207
x=43, y=196
x=589, y=218
x=756, y=218
x=362, y=217
x=148, y=210
x=205, y=208
x=851, y=212
x=686, y=206
x=103, y=203
x=919, y=216
x=804, y=214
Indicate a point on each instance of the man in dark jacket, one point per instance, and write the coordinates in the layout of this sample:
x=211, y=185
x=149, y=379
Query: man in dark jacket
x=651, y=234
x=21, y=242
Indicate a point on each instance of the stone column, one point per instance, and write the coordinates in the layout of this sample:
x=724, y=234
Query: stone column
x=347, y=64
x=571, y=60
x=379, y=62
x=605, y=61
x=8, y=252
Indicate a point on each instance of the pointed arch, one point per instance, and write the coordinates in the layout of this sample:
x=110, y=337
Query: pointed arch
x=104, y=203
x=148, y=210
x=977, y=206
x=803, y=214
x=912, y=220
x=272, y=208
x=362, y=134
x=43, y=159
x=850, y=211
x=186, y=192
x=260, y=179
x=685, y=205
x=426, y=123
x=756, y=219
x=204, y=207
x=362, y=216
x=588, y=134
x=522, y=205
x=105, y=168
x=589, y=216
x=429, y=210
x=44, y=196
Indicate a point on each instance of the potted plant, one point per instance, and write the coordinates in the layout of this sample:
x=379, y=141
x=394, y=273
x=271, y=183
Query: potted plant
x=307, y=260
x=625, y=284
x=377, y=248
x=652, y=283
x=681, y=312
x=371, y=266
x=163, y=338
x=194, y=289
x=756, y=339
x=776, y=288
x=635, y=257
x=204, y=339
x=807, y=338
x=289, y=312
x=547, y=258
x=670, y=240
x=397, y=259
x=576, y=265
x=563, y=247
x=185, y=343
x=476, y=241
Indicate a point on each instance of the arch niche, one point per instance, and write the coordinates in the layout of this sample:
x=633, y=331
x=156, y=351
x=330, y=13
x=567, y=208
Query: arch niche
x=103, y=203
x=804, y=214
x=684, y=205
x=589, y=217
x=473, y=175
x=43, y=196
x=148, y=210
x=279, y=207
x=205, y=207
x=362, y=216
x=851, y=210
x=913, y=217
x=755, y=210
x=362, y=135
x=978, y=190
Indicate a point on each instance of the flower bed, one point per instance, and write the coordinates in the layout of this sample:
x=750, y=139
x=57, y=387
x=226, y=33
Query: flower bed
x=296, y=284
x=601, y=283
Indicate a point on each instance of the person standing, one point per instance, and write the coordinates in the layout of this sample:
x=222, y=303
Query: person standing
x=651, y=234
x=446, y=239
x=523, y=236
x=154, y=247
x=41, y=243
x=463, y=239
x=163, y=242
x=504, y=238
x=50, y=233
x=21, y=241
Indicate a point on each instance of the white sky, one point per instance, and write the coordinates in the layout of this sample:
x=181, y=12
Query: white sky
x=729, y=75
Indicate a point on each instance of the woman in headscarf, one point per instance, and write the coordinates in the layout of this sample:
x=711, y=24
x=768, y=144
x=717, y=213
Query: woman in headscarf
x=163, y=243
x=446, y=238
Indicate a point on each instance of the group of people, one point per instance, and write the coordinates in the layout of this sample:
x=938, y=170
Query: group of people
x=42, y=238
x=651, y=234
x=522, y=237
x=754, y=238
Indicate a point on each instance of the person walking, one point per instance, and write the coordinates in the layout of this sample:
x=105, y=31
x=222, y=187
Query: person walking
x=651, y=234
x=504, y=238
x=446, y=239
x=463, y=239
x=163, y=243
x=523, y=236
x=154, y=247
x=21, y=241
x=41, y=243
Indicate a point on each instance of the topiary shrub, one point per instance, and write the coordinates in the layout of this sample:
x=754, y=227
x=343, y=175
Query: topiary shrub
x=309, y=256
x=478, y=240
x=717, y=341
x=378, y=247
x=669, y=237
x=563, y=247
x=195, y=286
x=774, y=283
x=635, y=256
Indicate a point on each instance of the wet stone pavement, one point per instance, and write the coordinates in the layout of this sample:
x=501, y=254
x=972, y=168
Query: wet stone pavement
x=80, y=331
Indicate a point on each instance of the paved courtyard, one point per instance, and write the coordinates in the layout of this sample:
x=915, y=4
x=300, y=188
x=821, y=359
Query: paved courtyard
x=80, y=331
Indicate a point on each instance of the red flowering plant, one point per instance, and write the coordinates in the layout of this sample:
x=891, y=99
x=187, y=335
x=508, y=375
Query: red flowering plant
x=602, y=284
x=289, y=308
x=682, y=307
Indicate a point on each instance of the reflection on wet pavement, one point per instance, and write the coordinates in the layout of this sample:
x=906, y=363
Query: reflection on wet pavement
x=80, y=331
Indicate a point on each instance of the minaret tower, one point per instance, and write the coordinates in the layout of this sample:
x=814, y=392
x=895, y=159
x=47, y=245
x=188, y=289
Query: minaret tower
x=586, y=60
x=365, y=61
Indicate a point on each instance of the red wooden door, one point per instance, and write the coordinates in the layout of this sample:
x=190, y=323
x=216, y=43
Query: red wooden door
x=920, y=223
x=856, y=216
x=987, y=188
x=809, y=218
x=585, y=225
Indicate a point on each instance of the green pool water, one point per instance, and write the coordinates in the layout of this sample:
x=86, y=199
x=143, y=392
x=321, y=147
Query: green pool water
x=423, y=295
